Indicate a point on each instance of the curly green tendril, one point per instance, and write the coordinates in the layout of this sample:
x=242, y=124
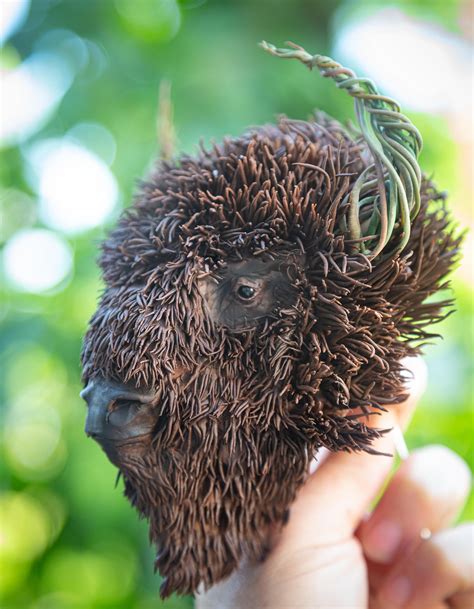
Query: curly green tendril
x=394, y=143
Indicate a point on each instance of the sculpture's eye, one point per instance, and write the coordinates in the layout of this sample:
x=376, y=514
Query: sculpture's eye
x=246, y=293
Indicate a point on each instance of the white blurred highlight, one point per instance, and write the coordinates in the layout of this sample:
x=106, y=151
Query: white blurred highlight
x=12, y=15
x=415, y=376
x=424, y=67
x=36, y=260
x=30, y=95
x=399, y=442
x=32, y=440
x=77, y=191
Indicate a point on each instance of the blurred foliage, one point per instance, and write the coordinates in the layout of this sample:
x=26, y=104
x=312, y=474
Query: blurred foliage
x=69, y=540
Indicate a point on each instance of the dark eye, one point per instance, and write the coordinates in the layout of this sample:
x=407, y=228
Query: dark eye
x=246, y=292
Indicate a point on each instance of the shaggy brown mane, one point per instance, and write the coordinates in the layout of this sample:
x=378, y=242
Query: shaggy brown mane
x=240, y=411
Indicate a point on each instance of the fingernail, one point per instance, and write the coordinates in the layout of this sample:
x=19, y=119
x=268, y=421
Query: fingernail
x=431, y=464
x=396, y=593
x=382, y=541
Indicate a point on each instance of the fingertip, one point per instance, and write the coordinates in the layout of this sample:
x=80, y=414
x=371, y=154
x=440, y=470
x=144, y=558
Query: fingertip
x=435, y=572
x=426, y=493
x=381, y=541
x=441, y=472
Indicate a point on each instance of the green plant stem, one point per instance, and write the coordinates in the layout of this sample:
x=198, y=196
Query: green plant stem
x=394, y=143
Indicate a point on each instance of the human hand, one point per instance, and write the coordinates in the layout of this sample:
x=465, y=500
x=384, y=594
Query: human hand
x=332, y=554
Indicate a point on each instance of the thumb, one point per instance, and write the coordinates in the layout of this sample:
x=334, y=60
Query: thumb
x=331, y=503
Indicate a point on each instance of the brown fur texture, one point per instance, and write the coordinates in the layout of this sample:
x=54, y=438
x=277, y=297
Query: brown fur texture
x=241, y=411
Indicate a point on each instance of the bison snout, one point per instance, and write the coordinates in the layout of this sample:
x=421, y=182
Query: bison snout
x=116, y=411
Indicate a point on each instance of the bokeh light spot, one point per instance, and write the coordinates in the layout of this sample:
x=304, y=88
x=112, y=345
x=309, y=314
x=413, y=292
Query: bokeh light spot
x=77, y=190
x=24, y=527
x=12, y=573
x=94, y=577
x=12, y=16
x=29, y=524
x=71, y=47
x=47, y=376
x=440, y=84
x=30, y=94
x=34, y=448
x=17, y=210
x=36, y=260
x=151, y=19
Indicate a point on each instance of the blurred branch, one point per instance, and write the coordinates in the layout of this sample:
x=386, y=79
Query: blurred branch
x=164, y=125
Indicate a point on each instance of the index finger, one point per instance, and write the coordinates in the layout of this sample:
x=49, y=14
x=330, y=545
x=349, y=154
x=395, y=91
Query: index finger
x=334, y=499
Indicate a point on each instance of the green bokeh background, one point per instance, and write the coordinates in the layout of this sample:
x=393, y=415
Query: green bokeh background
x=68, y=538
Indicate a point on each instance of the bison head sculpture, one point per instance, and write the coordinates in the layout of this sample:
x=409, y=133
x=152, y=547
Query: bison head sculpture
x=241, y=328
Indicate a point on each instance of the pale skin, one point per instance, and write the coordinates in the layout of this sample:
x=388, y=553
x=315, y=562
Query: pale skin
x=337, y=553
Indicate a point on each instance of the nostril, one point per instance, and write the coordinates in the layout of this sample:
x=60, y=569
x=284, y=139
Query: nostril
x=111, y=404
x=121, y=412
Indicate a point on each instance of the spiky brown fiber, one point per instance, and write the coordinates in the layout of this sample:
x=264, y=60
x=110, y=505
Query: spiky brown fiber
x=240, y=412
